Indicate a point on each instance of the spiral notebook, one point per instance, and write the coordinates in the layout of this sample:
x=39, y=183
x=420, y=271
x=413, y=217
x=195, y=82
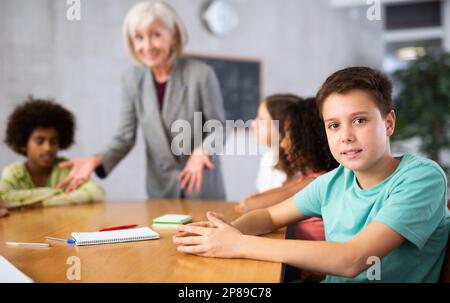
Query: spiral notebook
x=114, y=236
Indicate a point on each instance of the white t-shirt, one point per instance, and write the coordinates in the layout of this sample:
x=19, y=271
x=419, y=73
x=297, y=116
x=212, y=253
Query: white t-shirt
x=268, y=176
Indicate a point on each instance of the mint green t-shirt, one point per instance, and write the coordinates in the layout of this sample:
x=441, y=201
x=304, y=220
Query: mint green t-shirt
x=412, y=201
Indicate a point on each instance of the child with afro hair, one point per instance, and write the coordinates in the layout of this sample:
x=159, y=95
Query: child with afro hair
x=38, y=129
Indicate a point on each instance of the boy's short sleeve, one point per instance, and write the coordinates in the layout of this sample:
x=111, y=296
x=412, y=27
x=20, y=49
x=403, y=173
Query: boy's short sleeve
x=417, y=205
x=309, y=200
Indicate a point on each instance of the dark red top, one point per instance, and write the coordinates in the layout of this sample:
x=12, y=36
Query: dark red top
x=160, y=91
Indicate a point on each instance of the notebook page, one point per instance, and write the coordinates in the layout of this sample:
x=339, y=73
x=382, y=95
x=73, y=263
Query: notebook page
x=10, y=274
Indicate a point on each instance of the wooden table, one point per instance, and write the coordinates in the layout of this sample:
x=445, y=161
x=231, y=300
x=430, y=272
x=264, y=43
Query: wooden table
x=146, y=261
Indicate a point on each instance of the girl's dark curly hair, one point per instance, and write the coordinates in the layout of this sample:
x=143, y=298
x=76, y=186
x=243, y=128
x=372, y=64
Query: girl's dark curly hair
x=309, y=149
x=277, y=106
x=37, y=113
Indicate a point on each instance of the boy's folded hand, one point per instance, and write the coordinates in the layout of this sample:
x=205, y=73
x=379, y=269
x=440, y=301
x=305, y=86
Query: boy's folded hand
x=208, y=224
x=179, y=234
x=221, y=241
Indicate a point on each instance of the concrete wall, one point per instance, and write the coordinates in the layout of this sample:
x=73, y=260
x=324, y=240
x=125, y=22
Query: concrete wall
x=79, y=64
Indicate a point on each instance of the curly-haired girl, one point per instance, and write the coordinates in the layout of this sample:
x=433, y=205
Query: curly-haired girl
x=38, y=129
x=303, y=154
x=273, y=166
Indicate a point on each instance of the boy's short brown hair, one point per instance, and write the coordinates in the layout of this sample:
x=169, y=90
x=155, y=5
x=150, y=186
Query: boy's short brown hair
x=369, y=80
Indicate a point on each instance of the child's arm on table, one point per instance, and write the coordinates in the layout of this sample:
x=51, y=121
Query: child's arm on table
x=15, y=192
x=26, y=197
x=273, y=196
x=346, y=259
x=88, y=192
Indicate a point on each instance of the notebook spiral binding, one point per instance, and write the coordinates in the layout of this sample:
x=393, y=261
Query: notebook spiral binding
x=113, y=241
x=96, y=238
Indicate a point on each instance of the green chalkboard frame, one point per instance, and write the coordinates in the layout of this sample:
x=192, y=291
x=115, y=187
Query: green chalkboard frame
x=240, y=81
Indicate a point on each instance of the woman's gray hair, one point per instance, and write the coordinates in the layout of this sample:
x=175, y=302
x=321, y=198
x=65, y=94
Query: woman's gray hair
x=145, y=13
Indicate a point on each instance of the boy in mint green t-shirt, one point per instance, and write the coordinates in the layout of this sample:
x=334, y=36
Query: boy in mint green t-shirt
x=411, y=202
x=386, y=218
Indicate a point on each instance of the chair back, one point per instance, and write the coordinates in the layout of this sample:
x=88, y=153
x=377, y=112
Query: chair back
x=445, y=271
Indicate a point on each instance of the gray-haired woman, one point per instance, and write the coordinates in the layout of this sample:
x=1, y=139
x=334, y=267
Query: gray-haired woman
x=160, y=89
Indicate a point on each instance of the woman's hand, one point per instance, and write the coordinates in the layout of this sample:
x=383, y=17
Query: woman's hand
x=82, y=169
x=192, y=174
x=221, y=241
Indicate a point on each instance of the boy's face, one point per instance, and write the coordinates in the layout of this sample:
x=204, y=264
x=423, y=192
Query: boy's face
x=42, y=147
x=357, y=133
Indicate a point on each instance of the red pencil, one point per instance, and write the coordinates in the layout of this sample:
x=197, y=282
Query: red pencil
x=119, y=227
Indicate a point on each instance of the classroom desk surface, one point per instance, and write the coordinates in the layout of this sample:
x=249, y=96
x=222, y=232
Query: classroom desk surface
x=145, y=261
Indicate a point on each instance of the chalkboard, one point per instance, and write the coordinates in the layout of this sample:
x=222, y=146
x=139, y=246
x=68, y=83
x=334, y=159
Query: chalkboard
x=240, y=82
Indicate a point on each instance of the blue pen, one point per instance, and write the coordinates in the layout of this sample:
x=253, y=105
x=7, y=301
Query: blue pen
x=69, y=241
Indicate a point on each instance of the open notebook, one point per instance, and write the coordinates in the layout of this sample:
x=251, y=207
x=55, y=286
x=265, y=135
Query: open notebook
x=10, y=274
x=114, y=236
